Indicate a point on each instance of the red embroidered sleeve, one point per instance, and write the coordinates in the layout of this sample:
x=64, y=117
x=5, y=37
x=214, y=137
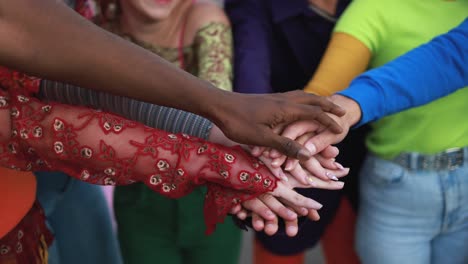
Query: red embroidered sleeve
x=102, y=148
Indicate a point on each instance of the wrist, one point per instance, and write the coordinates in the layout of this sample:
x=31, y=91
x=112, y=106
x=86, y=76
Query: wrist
x=212, y=104
x=217, y=136
x=353, y=110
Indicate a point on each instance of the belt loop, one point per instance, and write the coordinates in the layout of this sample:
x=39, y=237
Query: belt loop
x=465, y=155
x=414, y=159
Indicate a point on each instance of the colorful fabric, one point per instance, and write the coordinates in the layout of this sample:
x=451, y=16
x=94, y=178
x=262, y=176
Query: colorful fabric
x=396, y=86
x=153, y=227
x=78, y=216
x=27, y=243
x=102, y=148
x=414, y=23
x=16, y=184
x=278, y=44
x=213, y=43
x=161, y=117
x=18, y=190
x=162, y=222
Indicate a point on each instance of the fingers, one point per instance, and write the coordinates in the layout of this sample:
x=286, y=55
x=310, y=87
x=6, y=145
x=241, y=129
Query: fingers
x=303, y=112
x=302, y=211
x=236, y=209
x=333, y=167
x=330, y=152
x=291, y=228
x=278, y=162
x=288, y=146
x=322, y=140
x=324, y=103
x=296, y=130
x=327, y=185
x=257, y=151
x=271, y=227
x=301, y=175
x=242, y=214
x=257, y=222
x=293, y=164
x=299, y=128
x=295, y=198
x=258, y=207
x=275, y=170
x=313, y=215
x=314, y=167
x=277, y=207
x=314, y=182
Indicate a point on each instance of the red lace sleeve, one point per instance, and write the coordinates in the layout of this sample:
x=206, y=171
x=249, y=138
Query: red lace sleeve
x=103, y=148
x=20, y=81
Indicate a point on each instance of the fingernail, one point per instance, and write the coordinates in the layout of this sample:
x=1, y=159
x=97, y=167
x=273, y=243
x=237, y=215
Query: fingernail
x=291, y=214
x=339, y=166
x=284, y=177
x=288, y=166
x=311, y=147
x=242, y=216
x=331, y=176
x=292, y=229
x=269, y=214
x=275, y=163
x=255, y=150
x=274, y=154
x=316, y=205
x=311, y=181
x=304, y=154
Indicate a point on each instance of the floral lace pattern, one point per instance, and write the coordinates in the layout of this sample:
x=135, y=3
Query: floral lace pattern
x=28, y=241
x=209, y=58
x=213, y=45
x=103, y=148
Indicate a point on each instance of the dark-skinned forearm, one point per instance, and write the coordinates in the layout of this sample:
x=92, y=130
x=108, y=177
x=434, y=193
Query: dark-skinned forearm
x=47, y=39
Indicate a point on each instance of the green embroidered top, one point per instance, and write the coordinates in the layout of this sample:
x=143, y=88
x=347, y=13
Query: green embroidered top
x=209, y=57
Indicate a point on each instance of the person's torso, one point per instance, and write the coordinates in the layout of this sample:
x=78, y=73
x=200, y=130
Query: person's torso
x=297, y=43
x=441, y=124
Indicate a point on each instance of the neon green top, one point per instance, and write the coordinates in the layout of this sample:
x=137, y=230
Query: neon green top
x=390, y=28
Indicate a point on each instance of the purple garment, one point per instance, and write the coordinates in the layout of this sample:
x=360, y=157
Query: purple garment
x=278, y=44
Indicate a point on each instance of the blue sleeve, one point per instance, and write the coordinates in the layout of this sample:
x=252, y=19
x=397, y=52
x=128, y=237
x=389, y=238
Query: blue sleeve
x=252, y=31
x=160, y=117
x=420, y=76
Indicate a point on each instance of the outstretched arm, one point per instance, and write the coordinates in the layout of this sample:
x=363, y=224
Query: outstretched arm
x=47, y=38
x=420, y=76
x=156, y=116
x=426, y=73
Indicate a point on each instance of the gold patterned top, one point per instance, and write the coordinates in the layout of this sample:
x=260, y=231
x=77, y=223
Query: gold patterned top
x=209, y=57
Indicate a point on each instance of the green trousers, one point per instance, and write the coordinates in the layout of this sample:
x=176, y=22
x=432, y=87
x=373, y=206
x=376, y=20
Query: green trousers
x=155, y=229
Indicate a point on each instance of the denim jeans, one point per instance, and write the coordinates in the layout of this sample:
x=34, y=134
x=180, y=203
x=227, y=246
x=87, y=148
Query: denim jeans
x=78, y=216
x=412, y=216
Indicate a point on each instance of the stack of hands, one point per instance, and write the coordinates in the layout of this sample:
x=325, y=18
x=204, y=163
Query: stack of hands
x=312, y=165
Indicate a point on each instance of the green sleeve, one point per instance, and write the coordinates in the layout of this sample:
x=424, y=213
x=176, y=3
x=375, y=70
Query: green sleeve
x=213, y=44
x=363, y=19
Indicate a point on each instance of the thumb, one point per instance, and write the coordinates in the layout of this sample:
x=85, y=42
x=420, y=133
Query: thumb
x=287, y=146
x=321, y=141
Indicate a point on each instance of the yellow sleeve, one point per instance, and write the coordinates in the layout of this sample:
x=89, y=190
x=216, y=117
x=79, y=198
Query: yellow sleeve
x=345, y=58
